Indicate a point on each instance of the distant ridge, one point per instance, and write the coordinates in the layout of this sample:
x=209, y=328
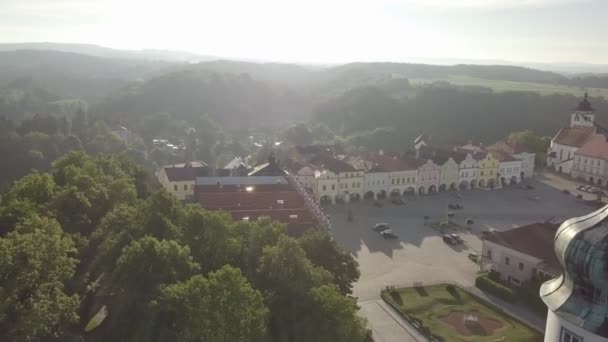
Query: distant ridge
x=104, y=52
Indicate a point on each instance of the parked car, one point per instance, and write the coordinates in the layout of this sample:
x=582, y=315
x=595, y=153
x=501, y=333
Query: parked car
x=593, y=190
x=449, y=239
x=380, y=227
x=388, y=234
x=587, y=188
x=454, y=206
x=580, y=187
x=457, y=238
x=397, y=201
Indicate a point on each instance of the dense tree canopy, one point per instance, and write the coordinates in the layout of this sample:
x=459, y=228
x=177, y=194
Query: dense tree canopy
x=85, y=236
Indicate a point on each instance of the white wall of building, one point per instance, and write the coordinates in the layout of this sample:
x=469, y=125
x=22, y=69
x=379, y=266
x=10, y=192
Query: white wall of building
x=449, y=174
x=527, y=163
x=497, y=255
x=556, y=325
x=376, y=182
x=562, y=162
x=467, y=171
x=589, y=169
x=510, y=170
x=404, y=180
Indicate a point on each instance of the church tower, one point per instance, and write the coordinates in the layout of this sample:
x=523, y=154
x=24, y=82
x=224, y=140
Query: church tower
x=584, y=115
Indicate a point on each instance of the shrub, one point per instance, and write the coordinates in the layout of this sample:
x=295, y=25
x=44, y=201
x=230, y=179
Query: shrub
x=484, y=283
x=579, y=196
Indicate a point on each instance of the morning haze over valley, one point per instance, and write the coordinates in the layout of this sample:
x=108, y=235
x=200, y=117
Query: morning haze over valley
x=289, y=171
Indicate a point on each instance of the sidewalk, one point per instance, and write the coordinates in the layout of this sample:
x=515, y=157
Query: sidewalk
x=386, y=324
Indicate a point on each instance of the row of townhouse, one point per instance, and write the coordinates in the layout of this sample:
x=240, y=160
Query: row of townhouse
x=331, y=179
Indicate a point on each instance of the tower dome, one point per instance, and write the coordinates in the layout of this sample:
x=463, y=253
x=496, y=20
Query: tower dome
x=579, y=297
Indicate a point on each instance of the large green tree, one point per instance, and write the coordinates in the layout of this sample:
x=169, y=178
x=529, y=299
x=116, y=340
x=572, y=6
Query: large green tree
x=223, y=308
x=35, y=261
x=323, y=251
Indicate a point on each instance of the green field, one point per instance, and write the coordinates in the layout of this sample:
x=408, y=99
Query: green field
x=432, y=305
x=504, y=86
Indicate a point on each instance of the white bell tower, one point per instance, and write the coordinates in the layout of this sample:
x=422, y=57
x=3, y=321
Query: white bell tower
x=584, y=115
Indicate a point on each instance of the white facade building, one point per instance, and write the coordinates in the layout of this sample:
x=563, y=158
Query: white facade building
x=568, y=140
x=467, y=173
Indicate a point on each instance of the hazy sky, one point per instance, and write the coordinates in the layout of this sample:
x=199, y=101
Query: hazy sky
x=325, y=31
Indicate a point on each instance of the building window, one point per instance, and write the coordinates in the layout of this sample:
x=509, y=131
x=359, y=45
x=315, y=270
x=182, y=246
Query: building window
x=333, y=187
x=354, y=185
x=568, y=336
x=324, y=188
x=482, y=173
x=175, y=187
x=507, y=261
x=521, y=266
x=393, y=181
x=489, y=254
x=185, y=187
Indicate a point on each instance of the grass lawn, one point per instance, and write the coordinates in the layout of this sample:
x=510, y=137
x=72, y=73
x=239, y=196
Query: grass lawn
x=441, y=308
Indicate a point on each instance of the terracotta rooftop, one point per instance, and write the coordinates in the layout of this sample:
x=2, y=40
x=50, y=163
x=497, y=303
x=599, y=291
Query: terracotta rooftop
x=280, y=202
x=508, y=146
x=332, y=164
x=186, y=172
x=535, y=239
x=503, y=157
x=387, y=163
x=595, y=147
x=573, y=136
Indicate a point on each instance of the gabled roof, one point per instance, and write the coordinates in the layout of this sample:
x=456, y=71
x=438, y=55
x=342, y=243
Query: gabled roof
x=186, y=172
x=535, y=239
x=387, y=163
x=503, y=157
x=511, y=147
x=595, y=147
x=573, y=136
x=332, y=164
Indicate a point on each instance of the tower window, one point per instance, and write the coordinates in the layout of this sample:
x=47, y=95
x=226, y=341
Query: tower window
x=568, y=336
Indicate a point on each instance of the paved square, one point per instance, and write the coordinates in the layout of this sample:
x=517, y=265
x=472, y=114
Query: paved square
x=419, y=254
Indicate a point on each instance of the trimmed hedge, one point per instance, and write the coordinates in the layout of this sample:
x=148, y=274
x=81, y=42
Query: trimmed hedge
x=484, y=283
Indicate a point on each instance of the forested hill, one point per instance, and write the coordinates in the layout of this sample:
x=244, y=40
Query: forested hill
x=90, y=251
x=72, y=75
x=354, y=100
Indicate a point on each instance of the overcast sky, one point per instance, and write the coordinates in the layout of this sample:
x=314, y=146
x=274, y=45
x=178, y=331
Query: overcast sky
x=324, y=31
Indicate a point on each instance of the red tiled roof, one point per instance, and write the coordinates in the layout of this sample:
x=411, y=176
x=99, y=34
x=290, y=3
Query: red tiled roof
x=535, y=239
x=178, y=173
x=595, y=147
x=511, y=147
x=386, y=163
x=503, y=157
x=332, y=164
x=573, y=136
x=276, y=201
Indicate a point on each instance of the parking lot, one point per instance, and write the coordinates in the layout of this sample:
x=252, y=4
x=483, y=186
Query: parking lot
x=419, y=254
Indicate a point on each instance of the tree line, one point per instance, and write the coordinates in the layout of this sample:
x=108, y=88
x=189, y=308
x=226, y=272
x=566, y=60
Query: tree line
x=93, y=234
